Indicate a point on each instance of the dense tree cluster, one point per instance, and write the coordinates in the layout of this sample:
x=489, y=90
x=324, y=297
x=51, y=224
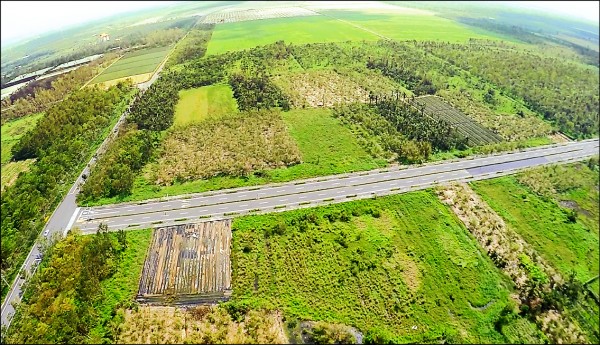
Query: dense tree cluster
x=393, y=126
x=154, y=110
x=61, y=303
x=420, y=85
x=257, y=92
x=115, y=171
x=62, y=142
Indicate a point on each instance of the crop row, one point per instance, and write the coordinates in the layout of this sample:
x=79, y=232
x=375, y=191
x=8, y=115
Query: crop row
x=478, y=135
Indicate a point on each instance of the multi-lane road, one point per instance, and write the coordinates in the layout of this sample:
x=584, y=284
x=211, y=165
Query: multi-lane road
x=295, y=194
x=331, y=189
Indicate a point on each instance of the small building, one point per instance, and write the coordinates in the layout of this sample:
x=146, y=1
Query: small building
x=104, y=37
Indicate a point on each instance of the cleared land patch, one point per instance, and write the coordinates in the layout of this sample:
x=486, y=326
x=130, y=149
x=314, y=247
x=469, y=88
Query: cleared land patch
x=320, y=88
x=234, y=145
x=295, y=30
x=476, y=134
x=189, y=262
x=205, y=102
x=200, y=325
x=134, y=64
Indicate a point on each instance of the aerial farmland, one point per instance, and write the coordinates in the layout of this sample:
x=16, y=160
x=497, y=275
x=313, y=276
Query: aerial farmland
x=306, y=172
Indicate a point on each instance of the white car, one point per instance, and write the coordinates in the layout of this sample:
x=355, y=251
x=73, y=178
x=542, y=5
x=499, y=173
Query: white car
x=46, y=232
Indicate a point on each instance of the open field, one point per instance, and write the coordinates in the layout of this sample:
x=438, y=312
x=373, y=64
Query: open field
x=542, y=223
x=577, y=317
x=402, y=26
x=477, y=135
x=133, y=64
x=399, y=268
x=189, y=262
x=573, y=186
x=292, y=30
x=12, y=131
x=196, y=105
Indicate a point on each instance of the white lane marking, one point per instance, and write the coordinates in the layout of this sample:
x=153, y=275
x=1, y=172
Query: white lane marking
x=283, y=200
x=184, y=213
x=260, y=203
x=302, y=197
x=72, y=220
x=146, y=217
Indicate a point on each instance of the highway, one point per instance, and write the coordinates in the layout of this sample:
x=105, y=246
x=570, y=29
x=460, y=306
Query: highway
x=331, y=189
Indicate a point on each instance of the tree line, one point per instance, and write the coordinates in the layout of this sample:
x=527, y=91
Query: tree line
x=62, y=142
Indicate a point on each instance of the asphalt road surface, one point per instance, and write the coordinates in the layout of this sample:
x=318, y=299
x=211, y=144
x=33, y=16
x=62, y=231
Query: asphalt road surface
x=331, y=189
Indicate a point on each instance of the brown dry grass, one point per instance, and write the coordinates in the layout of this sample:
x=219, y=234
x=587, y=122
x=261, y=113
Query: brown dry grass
x=232, y=145
x=200, y=325
x=320, y=88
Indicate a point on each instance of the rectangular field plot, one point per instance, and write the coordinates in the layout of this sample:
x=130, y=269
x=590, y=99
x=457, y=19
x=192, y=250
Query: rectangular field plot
x=256, y=14
x=296, y=30
x=477, y=135
x=188, y=264
x=196, y=105
x=135, y=63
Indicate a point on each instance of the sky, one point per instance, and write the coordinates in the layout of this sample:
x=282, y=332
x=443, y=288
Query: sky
x=582, y=9
x=25, y=19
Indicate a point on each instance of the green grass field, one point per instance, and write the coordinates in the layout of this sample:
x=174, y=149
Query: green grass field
x=198, y=104
x=411, y=27
x=12, y=131
x=383, y=266
x=138, y=62
x=326, y=146
x=543, y=224
x=298, y=30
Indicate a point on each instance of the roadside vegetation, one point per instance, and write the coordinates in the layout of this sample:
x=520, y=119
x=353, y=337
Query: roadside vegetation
x=62, y=143
x=557, y=303
x=80, y=284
